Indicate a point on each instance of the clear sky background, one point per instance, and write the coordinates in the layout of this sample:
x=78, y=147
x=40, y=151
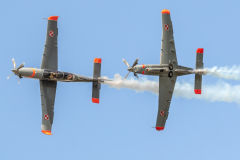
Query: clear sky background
x=119, y=127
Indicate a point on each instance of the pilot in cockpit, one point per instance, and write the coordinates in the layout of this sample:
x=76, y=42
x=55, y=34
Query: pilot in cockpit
x=70, y=77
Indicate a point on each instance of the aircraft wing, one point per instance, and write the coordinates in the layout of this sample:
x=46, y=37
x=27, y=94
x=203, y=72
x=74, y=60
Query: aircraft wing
x=168, y=51
x=48, y=92
x=166, y=87
x=50, y=53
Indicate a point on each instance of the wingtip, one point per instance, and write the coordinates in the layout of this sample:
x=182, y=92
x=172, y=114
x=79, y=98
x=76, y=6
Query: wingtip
x=46, y=132
x=197, y=91
x=200, y=50
x=95, y=100
x=159, y=128
x=97, y=60
x=53, y=18
x=165, y=11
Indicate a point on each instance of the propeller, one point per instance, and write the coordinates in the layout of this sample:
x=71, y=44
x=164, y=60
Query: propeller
x=126, y=63
x=22, y=65
x=16, y=70
x=127, y=75
x=10, y=76
x=14, y=64
x=130, y=69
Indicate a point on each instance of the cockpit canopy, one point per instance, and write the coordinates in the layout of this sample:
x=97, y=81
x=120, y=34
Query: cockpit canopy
x=48, y=74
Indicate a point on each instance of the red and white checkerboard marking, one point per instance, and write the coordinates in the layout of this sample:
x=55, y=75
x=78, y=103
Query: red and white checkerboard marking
x=166, y=26
x=51, y=33
x=46, y=116
x=162, y=113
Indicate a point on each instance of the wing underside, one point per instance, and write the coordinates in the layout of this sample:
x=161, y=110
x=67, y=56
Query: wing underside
x=50, y=53
x=168, y=51
x=166, y=87
x=48, y=88
x=48, y=92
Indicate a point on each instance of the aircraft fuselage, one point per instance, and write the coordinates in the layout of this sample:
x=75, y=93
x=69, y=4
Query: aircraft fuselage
x=45, y=74
x=163, y=70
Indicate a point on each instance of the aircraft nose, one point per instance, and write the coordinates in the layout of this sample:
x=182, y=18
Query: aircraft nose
x=130, y=69
x=135, y=68
x=14, y=70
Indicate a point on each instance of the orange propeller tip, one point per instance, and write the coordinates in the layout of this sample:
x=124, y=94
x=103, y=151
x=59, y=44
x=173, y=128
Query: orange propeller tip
x=165, y=11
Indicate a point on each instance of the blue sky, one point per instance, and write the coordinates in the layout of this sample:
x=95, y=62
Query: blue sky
x=120, y=126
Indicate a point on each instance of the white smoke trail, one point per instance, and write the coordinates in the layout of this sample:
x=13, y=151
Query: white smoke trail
x=225, y=72
x=221, y=91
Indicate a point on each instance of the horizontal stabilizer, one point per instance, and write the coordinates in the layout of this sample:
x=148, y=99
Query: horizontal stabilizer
x=198, y=84
x=198, y=77
x=96, y=86
x=199, y=58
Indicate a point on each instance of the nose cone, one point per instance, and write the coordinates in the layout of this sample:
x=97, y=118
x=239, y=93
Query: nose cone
x=15, y=70
x=130, y=69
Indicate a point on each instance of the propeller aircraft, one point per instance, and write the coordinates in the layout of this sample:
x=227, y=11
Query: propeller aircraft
x=48, y=75
x=168, y=70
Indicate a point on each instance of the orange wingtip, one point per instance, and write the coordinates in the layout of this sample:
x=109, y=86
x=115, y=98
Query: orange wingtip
x=199, y=50
x=159, y=128
x=197, y=91
x=46, y=132
x=53, y=18
x=166, y=11
x=97, y=60
x=95, y=100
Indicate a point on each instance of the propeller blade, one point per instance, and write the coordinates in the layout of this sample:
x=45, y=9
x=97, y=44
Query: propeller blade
x=126, y=75
x=14, y=64
x=135, y=63
x=22, y=65
x=125, y=62
x=18, y=80
x=10, y=76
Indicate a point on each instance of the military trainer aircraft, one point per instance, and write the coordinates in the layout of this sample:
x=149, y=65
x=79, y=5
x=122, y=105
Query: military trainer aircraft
x=48, y=75
x=168, y=70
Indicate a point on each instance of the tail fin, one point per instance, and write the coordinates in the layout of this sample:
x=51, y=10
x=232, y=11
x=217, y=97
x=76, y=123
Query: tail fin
x=198, y=77
x=96, y=85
